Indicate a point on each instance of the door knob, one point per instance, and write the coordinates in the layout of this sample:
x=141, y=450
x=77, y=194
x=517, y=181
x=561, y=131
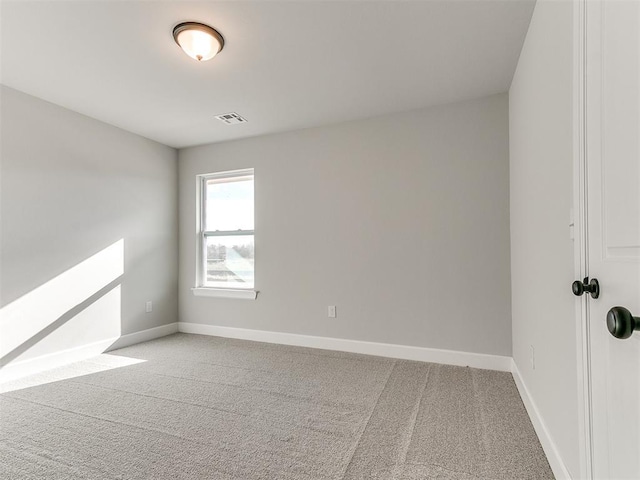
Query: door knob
x=621, y=323
x=592, y=287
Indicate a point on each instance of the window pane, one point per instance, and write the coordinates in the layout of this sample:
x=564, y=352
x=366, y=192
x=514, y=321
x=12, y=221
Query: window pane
x=229, y=203
x=229, y=261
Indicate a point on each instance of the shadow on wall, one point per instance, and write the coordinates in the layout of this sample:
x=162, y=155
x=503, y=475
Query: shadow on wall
x=78, y=308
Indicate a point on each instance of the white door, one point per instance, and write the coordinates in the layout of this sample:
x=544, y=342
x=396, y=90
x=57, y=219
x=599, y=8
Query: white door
x=613, y=230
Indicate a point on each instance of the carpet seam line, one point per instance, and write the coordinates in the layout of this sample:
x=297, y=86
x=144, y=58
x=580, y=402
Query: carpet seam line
x=108, y=421
x=262, y=390
x=249, y=416
x=357, y=443
x=402, y=459
x=93, y=385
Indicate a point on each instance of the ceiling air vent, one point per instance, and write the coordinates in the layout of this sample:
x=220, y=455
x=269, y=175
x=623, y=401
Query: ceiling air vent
x=231, y=118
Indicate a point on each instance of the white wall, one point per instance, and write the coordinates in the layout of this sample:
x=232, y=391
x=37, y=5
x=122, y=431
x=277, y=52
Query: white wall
x=542, y=268
x=89, y=230
x=400, y=221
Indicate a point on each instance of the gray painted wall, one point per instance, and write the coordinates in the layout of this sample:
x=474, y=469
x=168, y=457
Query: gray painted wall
x=71, y=187
x=542, y=261
x=400, y=221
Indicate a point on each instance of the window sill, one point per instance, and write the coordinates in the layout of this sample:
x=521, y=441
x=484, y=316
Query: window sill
x=224, y=293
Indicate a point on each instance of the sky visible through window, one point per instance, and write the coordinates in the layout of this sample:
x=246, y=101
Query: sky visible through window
x=229, y=205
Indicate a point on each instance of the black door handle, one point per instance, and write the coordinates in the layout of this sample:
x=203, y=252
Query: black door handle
x=621, y=323
x=592, y=287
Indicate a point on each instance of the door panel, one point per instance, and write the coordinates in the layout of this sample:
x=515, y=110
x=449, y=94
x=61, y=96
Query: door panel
x=613, y=205
x=620, y=135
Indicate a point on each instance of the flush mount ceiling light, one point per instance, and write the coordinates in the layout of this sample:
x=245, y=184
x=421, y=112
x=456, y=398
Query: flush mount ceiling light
x=201, y=42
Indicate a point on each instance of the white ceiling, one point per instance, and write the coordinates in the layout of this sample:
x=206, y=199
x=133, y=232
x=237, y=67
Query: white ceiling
x=285, y=65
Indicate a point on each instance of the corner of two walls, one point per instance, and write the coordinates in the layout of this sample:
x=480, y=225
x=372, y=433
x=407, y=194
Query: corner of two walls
x=89, y=231
x=401, y=221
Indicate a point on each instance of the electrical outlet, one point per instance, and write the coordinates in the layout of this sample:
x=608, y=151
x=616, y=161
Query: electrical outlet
x=533, y=357
x=149, y=306
x=331, y=311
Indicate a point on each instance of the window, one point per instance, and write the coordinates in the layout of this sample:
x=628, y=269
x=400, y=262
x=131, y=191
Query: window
x=226, y=237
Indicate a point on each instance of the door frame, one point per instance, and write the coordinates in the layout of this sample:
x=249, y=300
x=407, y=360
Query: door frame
x=581, y=246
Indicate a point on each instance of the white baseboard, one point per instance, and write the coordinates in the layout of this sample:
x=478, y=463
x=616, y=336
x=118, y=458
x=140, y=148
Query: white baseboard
x=551, y=451
x=449, y=357
x=144, y=336
x=14, y=371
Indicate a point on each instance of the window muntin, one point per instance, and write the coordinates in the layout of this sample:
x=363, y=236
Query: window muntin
x=227, y=230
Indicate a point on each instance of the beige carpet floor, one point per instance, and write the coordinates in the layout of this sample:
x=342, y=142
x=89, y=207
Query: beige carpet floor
x=202, y=407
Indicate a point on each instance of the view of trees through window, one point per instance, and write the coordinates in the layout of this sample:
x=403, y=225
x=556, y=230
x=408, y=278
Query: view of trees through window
x=232, y=262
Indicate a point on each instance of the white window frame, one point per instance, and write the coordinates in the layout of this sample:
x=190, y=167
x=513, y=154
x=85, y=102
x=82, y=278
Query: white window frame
x=201, y=289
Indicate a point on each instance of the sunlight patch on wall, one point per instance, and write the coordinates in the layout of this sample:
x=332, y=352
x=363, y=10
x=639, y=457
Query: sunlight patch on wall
x=22, y=320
